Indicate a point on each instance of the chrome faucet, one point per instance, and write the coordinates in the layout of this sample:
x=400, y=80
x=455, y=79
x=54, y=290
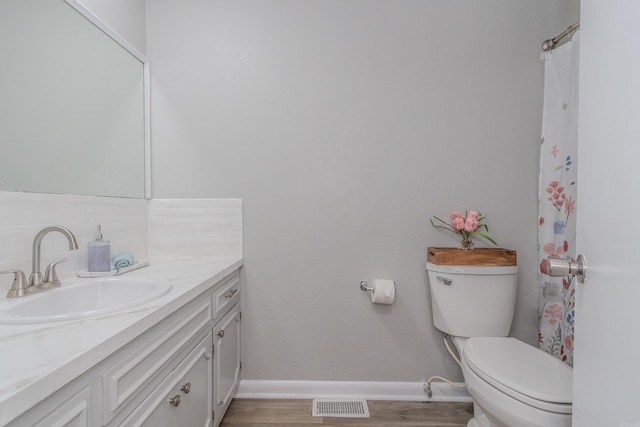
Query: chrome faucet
x=36, y=276
x=38, y=283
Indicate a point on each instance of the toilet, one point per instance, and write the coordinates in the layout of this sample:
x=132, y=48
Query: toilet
x=512, y=384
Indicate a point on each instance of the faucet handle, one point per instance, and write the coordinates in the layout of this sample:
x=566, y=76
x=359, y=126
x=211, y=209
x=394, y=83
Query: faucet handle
x=20, y=284
x=50, y=275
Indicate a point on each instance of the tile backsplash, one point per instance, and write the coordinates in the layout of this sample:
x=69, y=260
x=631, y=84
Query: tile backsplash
x=22, y=215
x=156, y=229
x=195, y=227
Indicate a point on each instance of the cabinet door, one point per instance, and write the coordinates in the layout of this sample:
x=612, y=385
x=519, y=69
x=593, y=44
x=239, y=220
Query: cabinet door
x=183, y=398
x=164, y=414
x=194, y=388
x=226, y=361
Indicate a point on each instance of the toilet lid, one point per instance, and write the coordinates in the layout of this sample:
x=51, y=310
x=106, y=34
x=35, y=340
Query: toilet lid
x=520, y=370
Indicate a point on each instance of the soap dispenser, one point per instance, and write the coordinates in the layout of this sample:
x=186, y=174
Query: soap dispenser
x=99, y=253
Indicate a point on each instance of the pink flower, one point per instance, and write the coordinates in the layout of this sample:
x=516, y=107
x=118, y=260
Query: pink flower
x=465, y=225
x=570, y=206
x=568, y=342
x=551, y=249
x=558, y=196
x=553, y=313
x=458, y=223
x=470, y=224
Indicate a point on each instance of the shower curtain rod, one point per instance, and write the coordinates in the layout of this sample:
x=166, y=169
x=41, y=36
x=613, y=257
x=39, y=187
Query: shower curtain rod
x=551, y=43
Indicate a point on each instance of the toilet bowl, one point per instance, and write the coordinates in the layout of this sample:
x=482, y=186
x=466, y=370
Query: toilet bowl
x=515, y=384
x=512, y=384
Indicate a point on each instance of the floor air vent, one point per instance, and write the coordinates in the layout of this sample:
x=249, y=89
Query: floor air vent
x=340, y=408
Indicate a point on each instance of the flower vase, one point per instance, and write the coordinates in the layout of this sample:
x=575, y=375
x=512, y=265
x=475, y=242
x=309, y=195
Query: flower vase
x=467, y=244
x=559, y=227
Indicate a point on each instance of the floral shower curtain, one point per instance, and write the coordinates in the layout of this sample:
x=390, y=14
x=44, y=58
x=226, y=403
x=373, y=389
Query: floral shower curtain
x=557, y=197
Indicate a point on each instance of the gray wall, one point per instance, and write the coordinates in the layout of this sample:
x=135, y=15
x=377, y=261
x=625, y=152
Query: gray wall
x=344, y=126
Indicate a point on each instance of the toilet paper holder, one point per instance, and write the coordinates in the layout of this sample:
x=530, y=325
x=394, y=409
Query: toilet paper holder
x=383, y=291
x=364, y=286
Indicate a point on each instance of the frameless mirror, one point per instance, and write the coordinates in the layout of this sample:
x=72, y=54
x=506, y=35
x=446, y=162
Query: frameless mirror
x=72, y=102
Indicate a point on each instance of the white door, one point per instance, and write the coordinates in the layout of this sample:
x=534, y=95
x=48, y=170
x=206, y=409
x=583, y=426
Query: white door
x=607, y=335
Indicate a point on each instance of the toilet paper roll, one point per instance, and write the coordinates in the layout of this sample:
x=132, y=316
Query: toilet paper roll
x=384, y=291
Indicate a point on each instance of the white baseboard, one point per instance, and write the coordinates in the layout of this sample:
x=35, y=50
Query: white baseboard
x=370, y=390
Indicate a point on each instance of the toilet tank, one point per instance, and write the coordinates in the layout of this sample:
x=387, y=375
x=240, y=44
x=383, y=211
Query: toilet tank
x=473, y=301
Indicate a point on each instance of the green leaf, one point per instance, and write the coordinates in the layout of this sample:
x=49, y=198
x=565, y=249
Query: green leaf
x=485, y=236
x=445, y=226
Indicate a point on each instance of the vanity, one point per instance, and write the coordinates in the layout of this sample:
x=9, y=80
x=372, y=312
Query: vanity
x=173, y=361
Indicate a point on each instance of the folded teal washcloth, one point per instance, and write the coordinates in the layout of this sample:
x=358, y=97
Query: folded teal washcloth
x=125, y=259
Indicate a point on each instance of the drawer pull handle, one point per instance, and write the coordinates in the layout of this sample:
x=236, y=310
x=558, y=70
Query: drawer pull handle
x=221, y=333
x=186, y=388
x=175, y=400
x=230, y=294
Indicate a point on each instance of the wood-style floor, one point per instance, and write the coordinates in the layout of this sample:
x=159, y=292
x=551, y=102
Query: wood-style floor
x=297, y=413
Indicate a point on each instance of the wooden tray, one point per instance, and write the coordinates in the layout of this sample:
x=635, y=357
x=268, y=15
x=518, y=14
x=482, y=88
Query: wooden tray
x=478, y=256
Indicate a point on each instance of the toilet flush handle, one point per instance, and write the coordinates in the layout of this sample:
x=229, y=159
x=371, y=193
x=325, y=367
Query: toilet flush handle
x=558, y=267
x=445, y=280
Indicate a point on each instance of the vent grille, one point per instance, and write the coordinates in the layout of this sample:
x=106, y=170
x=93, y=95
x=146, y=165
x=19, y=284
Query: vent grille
x=340, y=408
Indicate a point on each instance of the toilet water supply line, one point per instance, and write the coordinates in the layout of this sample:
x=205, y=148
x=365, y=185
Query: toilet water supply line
x=427, y=385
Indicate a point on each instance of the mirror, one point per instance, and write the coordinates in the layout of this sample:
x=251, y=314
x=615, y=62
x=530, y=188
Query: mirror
x=72, y=102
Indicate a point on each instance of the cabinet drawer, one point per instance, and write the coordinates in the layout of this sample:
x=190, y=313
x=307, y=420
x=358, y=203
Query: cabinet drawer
x=66, y=408
x=153, y=358
x=227, y=294
x=75, y=412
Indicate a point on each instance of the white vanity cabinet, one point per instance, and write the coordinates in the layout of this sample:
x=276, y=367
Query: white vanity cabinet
x=199, y=393
x=183, y=371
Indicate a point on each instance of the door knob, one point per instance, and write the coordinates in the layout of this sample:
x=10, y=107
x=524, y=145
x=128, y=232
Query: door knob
x=558, y=267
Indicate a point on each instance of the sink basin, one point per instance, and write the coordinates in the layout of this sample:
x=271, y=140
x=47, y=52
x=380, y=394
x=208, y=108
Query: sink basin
x=86, y=298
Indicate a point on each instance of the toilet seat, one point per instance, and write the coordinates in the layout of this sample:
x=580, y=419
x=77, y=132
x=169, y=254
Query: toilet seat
x=521, y=371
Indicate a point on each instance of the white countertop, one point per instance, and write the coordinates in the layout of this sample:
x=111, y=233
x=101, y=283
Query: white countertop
x=36, y=360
